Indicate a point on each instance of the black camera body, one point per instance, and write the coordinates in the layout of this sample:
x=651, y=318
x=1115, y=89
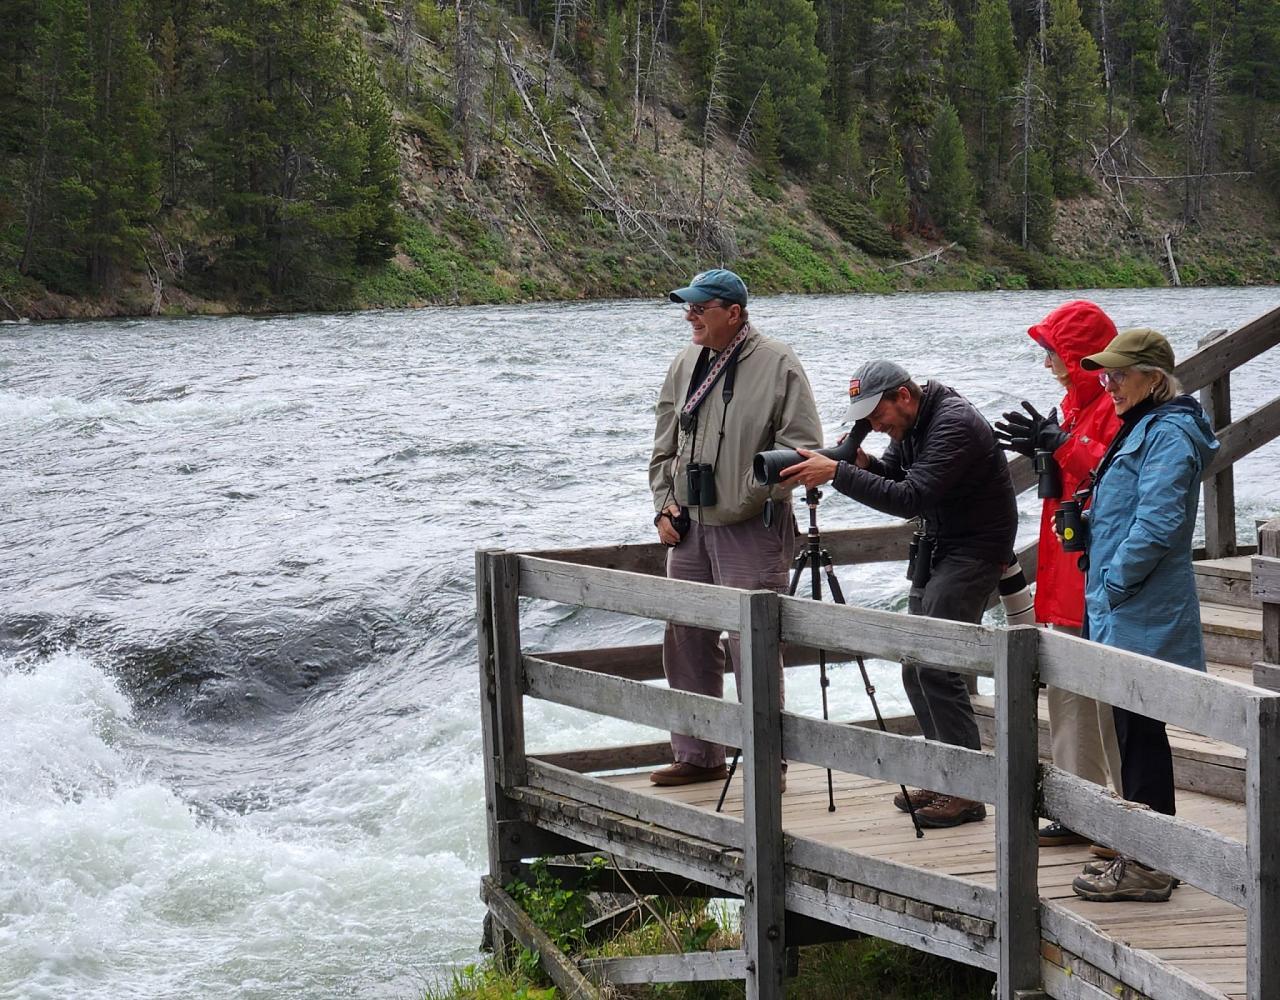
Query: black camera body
x=700, y=482
x=1048, y=475
x=1071, y=522
x=768, y=465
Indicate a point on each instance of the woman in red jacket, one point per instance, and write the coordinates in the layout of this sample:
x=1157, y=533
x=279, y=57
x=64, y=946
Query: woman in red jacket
x=1081, y=729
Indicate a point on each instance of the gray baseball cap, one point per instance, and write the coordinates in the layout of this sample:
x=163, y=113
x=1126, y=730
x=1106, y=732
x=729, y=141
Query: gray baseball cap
x=868, y=386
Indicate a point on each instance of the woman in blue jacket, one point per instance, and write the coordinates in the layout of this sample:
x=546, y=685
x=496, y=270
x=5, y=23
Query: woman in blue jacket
x=1140, y=591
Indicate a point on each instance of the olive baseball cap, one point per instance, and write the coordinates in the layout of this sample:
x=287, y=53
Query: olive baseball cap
x=714, y=284
x=1132, y=347
x=868, y=386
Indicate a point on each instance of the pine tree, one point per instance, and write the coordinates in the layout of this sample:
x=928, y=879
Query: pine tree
x=768, y=134
x=377, y=226
x=1255, y=68
x=892, y=200
x=992, y=75
x=775, y=42
x=951, y=190
x=1033, y=193
x=1070, y=83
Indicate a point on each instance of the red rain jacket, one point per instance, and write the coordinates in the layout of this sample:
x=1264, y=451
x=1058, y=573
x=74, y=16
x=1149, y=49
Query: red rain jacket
x=1088, y=415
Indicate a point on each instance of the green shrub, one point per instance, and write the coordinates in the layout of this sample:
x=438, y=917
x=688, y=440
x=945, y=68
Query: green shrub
x=853, y=221
x=432, y=130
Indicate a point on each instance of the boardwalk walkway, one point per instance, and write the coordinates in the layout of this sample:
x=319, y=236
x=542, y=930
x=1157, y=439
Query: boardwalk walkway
x=984, y=893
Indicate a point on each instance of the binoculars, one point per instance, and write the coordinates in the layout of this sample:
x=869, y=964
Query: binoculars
x=1071, y=523
x=768, y=465
x=1048, y=475
x=700, y=483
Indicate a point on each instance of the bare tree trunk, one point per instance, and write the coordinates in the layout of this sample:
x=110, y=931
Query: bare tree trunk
x=464, y=60
x=636, y=105
x=1026, y=150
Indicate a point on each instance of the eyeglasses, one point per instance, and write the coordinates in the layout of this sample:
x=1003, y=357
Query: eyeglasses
x=1114, y=377
x=697, y=309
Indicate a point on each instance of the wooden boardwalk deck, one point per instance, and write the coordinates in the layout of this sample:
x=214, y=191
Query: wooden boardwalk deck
x=982, y=893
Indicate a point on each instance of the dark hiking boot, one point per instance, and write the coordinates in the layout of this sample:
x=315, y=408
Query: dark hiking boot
x=684, y=773
x=1057, y=835
x=949, y=810
x=920, y=797
x=1124, y=880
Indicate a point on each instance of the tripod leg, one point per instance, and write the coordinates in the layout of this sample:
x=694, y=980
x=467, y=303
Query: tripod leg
x=871, y=693
x=728, y=780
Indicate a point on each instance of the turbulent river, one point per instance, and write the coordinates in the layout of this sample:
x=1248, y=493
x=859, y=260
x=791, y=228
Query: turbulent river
x=239, y=741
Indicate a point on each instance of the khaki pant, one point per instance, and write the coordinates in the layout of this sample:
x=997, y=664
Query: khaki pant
x=1083, y=733
x=746, y=555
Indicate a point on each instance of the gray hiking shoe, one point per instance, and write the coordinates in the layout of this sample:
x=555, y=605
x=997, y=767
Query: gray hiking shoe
x=1124, y=880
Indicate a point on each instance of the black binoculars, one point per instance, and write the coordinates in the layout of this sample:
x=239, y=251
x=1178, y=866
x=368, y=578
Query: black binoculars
x=700, y=482
x=768, y=465
x=920, y=559
x=1048, y=473
x=1071, y=523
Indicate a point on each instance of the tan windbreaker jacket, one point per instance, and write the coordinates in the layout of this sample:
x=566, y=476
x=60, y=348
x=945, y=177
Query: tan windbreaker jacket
x=772, y=407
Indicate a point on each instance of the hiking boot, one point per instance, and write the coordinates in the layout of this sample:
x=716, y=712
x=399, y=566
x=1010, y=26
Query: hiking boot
x=1125, y=880
x=684, y=773
x=950, y=810
x=1098, y=867
x=920, y=797
x=1057, y=835
x=1104, y=852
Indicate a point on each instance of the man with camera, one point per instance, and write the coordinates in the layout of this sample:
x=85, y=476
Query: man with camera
x=732, y=392
x=943, y=466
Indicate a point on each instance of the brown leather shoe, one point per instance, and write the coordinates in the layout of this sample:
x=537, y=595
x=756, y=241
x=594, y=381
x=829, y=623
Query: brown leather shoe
x=684, y=773
x=949, y=810
x=920, y=797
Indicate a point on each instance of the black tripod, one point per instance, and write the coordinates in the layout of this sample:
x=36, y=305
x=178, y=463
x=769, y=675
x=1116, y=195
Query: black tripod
x=819, y=561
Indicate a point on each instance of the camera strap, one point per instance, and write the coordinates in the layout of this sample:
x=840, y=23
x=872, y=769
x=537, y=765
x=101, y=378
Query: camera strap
x=725, y=364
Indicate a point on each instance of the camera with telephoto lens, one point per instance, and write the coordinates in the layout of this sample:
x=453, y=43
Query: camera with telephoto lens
x=1071, y=523
x=768, y=465
x=700, y=481
x=1048, y=473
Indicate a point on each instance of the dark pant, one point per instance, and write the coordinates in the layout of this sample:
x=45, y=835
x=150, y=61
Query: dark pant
x=1146, y=762
x=957, y=590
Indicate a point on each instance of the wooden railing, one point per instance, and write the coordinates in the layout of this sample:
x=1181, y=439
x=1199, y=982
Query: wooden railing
x=1247, y=873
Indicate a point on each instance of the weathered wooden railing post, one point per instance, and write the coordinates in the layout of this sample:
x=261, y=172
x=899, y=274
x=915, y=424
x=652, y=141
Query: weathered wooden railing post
x=1017, y=777
x=1219, y=489
x=1262, y=811
x=501, y=699
x=1266, y=588
x=763, y=886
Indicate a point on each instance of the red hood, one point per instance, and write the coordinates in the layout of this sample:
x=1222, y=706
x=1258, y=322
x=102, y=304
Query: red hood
x=1073, y=331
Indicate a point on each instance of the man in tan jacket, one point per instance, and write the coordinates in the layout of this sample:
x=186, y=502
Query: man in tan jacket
x=730, y=393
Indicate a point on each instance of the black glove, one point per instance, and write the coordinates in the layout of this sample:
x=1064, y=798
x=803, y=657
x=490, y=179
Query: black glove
x=1051, y=437
x=1025, y=434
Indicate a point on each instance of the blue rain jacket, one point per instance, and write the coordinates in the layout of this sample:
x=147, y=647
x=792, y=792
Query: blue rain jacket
x=1140, y=592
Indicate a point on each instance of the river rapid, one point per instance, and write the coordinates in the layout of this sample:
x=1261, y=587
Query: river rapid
x=239, y=730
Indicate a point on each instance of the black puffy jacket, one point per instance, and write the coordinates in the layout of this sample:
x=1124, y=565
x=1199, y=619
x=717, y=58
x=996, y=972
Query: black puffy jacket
x=948, y=470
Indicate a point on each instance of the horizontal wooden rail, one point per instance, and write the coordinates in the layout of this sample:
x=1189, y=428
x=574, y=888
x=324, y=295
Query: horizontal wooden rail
x=677, y=601
x=888, y=757
x=1245, y=435
x=1195, y=854
x=889, y=635
x=1227, y=353
x=1192, y=699
x=697, y=715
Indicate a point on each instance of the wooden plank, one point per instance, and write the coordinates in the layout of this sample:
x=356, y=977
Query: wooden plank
x=497, y=807
x=1196, y=854
x=520, y=840
x=1017, y=770
x=874, y=543
x=1064, y=984
x=889, y=757
x=553, y=961
x=763, y=911
x=1227, y=353
x=1188, y=698
x=610, y=758
x=689, y=967
x=1262, y=809
x=1267, y=672
x=1219, y=489
x=1265, y=579
x=677, y=601
x=630, y=881
x=647, y=558
x=1246, y=435
x=888, y=635
x=1134, y=966
x=677, y=711
x=508, y=671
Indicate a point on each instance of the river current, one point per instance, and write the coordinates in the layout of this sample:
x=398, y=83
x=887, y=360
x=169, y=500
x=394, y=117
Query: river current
x=239, y=739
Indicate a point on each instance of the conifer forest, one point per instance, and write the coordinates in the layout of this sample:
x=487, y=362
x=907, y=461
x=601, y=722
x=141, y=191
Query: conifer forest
x=207, y=155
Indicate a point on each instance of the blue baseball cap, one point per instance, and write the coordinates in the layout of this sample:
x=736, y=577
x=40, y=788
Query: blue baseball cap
x=714, y=284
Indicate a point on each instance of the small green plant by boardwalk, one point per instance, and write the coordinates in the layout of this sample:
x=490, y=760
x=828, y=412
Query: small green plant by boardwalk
x=560, y=912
